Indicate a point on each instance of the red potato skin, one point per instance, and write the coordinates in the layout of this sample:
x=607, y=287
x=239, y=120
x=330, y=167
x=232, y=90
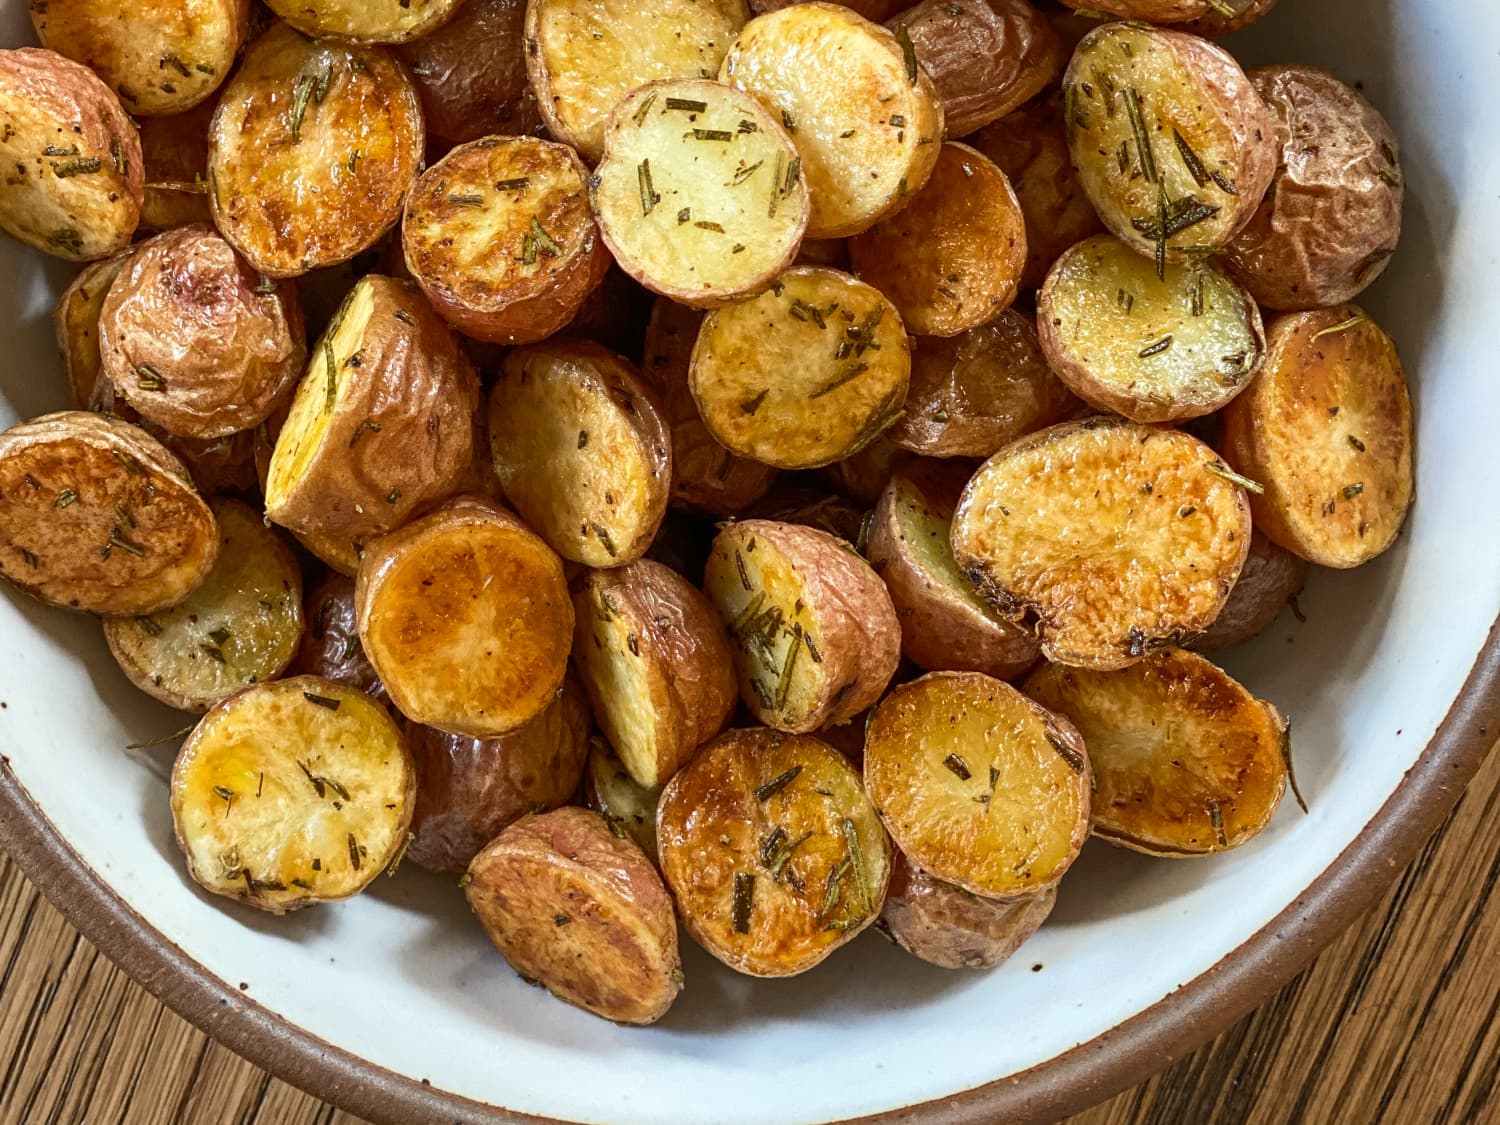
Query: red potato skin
x=330, y=646
x=1270, y=578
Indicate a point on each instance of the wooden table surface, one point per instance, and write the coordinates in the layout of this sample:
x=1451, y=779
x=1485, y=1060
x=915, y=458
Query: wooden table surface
x=1394, y=1024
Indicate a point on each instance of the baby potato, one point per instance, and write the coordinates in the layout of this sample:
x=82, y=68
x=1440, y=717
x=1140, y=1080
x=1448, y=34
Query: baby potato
x=1326, y=428
x=76, y=183
x=863, y=477
x=1271, y=577
x=772, y=850
x=240, y=627
x=1104, y=538
x=1186, y=761
x=1332, y=219
x=291, y=793
x=1228, y=16
x=815, y=637
x=951, y=259
x=1152, y=346
x=75, y=320
x=465, y=616
x=628, y=807
x=945, y=626
x=175, y=152
x=366, y=21
x=978, y=785
x=653, y=656
x=1172, y=145
x=805, y=374
x=865, y=117
x=313, y=149
x=584, y=56
x=976, y=392
x=699, y=193
x=97, y=515
x=330, y=646
x=582, y=450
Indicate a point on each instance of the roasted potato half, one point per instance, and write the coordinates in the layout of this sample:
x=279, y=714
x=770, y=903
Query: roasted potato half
x=75, y=183
x=807, y=373
x=630, y=808
x=1171, y=143
x=366, y=21
x=75, y=319
x=657, y=666
x=582, y=450
x=330, y=646
x=175, y=152
x=1186, y=761
x=465, y=616
x=978, y=785
x=699, y=193
x=772, y=850
x=815, y=637
x=865, y=117
x=1227, y=17
x=313, y=149
x=240, y=627
x=1104, y=538
x=96, y=514
x=1271, y=577
x=291, y=793
x=1326, y=428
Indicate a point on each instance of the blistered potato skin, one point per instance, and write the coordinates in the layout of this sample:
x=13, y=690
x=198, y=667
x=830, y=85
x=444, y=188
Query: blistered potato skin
x=367, y=21
x=75, y=321
x=330, y=646
x=175, y=153
x=1270, y=578
x=1149, y=11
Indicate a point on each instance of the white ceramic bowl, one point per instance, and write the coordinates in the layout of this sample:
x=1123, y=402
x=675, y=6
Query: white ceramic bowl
x=395, y=1005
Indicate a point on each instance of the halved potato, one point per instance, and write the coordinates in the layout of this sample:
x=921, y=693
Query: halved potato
x=240, y=627
x=95, y=514
x=866, y=119
x=312, y=151
x=1326, y=428
x=1105, y=538
x=863, y=476
x=465, y=615
x=500, y=237
x=805, y=374
x=1271, y=577
x=175, y=152
x=816, y=639
x=772, y=850
x=628, y=807
x=75, y=320
x=366, y=21
x=582, y=450
x=330, y=645
x=978, y=785
x=1186, y=761
x=1228, y=16
x=699, y=193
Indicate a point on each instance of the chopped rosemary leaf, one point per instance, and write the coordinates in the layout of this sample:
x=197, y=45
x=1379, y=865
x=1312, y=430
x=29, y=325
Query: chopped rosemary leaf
x=744, y=895
x=545, y=242
x=65, y=498
x=1352, y=490
x=1190, y=160
x=1216, y=819
x=1224, y=472
x=687, y=105
x=467, y=199
x=1356, y=443
x=149, y=380
x=1341, y=326
x=958, y=767
x=751, y=405
x=777, y=784
x=355, y=859
x=517, y=184
x=908, y=53
x=1142, y=138
x=704, y=224
x=321, y=701
x=857, y=862
x=649, y=197
x=639, y=117
x=302, y=92
x=87, y=166
x=712, y=135
x=852, y=372
x=1155, y=349
x=1066, y=752
x=331, y=375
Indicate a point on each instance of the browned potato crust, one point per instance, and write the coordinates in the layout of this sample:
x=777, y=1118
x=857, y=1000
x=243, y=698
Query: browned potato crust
x=1326, y=428
x=863, y=477
x=611, y=792
x=948, y=927
x=1186, y=761
x=175, y=152
x=330, y=646
x=1240, y=14
x=581, y=912
x=773, y=852
x=75, y=320
x=1271, y=577
x=366, y=21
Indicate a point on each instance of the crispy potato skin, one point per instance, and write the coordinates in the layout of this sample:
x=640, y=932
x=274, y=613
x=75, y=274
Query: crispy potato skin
x=330, y=646
x=64, y=479
x=366, y=21
x=628, y=807
x=581, y=912
x=82, y=199
x=1214, y=23
x=1332, y=219
x=1326, y=428
x=75, y=320
x=948, y=927
x=1270, y=578
x=175, y=152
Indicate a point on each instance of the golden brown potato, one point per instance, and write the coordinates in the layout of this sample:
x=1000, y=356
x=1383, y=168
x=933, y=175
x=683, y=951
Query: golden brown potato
x=75, y=319
x=629, y=808
x=582, y=450
x=1326, y=428
x=465, y=616
x=815, y=637
x=863, y=477
x=75, y=186
x=1271, y=577
x=699, y=193
x=292, y=793
x=175, y=152
x=810, y=507
x=584, y=56
x=654, y=658
x=312, y=151
x=1104, y=538
x=1186, y=761
x=866, y=119
x=806, y=374
x=95, y=514
x=581, y=912
x=773, y=851
x=366, y=21
x=1227, y=16
x=330, y=646
x=948, y=927
x=1331, y=221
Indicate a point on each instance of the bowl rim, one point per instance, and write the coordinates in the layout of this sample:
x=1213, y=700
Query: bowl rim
x=1069, y=1083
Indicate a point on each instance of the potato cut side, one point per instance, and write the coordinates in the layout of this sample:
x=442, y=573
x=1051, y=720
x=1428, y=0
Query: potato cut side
x=1155, y=349
x=1105, y=538
x=978, y=786
x=1326, y=428
x=500, y=237
x=1186, y=761
x=700, y=193
x=805, y=374
x=773, y=851
x=815, y=637
x=75, y=319
x=865, y=117
x=628, y=807
x=1271, y=578
x=366, y=21
x=584, y=56
x=291, y=793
